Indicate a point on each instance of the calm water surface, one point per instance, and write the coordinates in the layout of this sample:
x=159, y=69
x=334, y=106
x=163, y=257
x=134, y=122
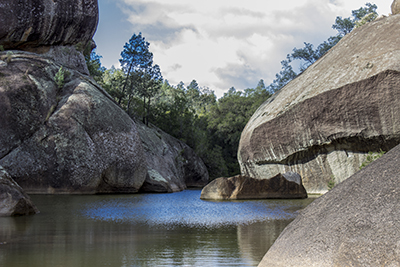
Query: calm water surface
x=175, y=229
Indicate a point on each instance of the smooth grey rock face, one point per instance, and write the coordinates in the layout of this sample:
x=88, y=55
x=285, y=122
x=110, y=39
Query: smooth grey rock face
x=355, y=224
x=324, y=123
x=13, y=200
x=35, y=23
x=241, y=187
x=172, y=165
x=67, y=139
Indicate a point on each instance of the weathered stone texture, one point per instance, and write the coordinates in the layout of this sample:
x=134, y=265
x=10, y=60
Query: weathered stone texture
x=34, y=23
x=288, y=185
x=13, y=200
x=355, y=224
x=395, y=7
x=323, y=123
x=72, y=139
x=172, y=165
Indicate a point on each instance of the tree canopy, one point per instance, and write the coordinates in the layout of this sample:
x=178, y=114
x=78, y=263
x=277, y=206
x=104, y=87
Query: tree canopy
x=142, y=77
x=308, y=54
x=192, y=113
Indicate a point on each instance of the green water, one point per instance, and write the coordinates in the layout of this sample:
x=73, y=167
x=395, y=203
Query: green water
x=175, y=229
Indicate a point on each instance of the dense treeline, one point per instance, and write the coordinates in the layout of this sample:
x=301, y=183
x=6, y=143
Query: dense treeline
x=308, y=54
x=193, y=114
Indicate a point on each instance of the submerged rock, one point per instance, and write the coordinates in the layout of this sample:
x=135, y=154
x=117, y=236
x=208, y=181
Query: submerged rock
x=355, y=224
x=62, y=133
x=286, y=185
x=13, y=200
x=323, y=123
x=172, y=165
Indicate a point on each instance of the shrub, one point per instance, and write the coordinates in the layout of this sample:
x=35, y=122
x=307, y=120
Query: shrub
x=371, y=157
x=331, y=182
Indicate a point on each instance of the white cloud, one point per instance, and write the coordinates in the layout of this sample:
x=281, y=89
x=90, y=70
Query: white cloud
x=223, y=44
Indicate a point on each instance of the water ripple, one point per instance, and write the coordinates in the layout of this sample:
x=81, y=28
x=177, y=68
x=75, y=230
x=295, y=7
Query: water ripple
x=186, y=209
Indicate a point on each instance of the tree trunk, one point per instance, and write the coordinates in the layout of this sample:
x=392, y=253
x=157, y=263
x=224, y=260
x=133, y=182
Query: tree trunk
x=129, y=103
x=144, y=110
x=148, y=112
x=126, y=82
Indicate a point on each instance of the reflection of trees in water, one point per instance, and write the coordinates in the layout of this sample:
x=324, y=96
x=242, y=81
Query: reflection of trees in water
x=61, y=236
x=255, y=239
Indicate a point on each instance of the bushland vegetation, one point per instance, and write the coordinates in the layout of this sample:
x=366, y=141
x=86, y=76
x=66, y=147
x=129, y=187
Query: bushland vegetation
x=192, y=113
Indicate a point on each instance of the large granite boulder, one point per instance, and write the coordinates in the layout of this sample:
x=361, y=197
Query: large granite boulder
x=286, y=185
x=59, y=30
x=13, y=200
x=323, y=124
x=395, y=7
x=355, y=224
x=172, y=165
x=61, y=133
x=36, y=23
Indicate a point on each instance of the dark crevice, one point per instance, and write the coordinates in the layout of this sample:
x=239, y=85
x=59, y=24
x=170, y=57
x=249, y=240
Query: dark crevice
x=349, y=144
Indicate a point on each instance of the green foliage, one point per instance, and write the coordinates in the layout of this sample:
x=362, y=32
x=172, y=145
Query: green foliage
x=363, y=11
x=113, y=82
x=190, y=113
x=367, y=18
x=343, y=25
x=1, y=48
x=143, y=79
x=372, y=156
x=331, y=182
x=284, y=76
x=308, y=55
x=94, y=65
x=9, y=56
x=60, y=77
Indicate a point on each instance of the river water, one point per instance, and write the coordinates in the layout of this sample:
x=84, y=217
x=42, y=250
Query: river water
x=175, y=229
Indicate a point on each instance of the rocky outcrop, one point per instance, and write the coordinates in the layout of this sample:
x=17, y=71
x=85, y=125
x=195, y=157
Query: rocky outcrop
x=395, y=7
x=172, y=165
x=355, y=224
x=61, y=133
x=323, y=123
x=38, y=23
x=56, y=29
x=286, y=185
x=13, y=200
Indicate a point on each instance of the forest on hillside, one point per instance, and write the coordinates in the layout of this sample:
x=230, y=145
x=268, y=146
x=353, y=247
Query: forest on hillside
x=192, y=113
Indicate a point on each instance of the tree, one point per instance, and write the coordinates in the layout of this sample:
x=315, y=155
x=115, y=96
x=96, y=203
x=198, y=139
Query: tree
x=365, y=14
x=113, y=82
x=143, y=79
x=283, y=77
x=147, y=84
x=94, y=65
x=227, y=119
x=343, y=26
x=135, y=57
x=308, y=55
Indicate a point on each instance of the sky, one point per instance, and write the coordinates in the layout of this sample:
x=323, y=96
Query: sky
x=220, y=44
